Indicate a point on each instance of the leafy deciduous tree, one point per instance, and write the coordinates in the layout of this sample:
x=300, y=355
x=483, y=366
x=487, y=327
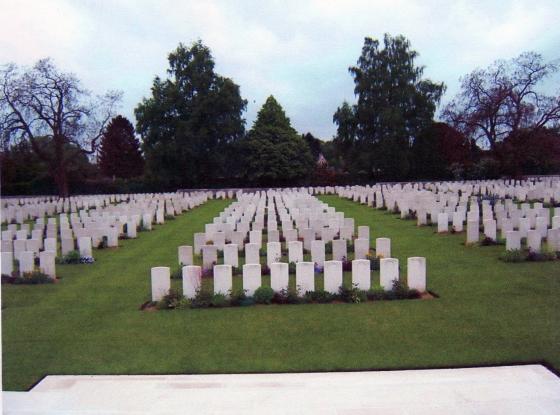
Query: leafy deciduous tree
x=394, y=106
x=191, y=120
x=503, y=99
x=43, y=102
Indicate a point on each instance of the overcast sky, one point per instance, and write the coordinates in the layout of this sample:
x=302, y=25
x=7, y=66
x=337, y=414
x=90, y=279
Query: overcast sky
x=299, y=51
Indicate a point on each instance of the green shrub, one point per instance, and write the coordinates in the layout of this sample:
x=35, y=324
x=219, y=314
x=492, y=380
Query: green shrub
x=202, y=299
x=72, y=257
x=376, y=293
x=328, y=247
x=263, y=295
x=237, y=297
x=169, y=217
x=177, y=274
x=352, y=295
x=322, y=296
x=35, y=277
x=173, y=299
x=219, y=300
x=541, y=256
x=292, y=268
x=515, y=255
x=287, y=296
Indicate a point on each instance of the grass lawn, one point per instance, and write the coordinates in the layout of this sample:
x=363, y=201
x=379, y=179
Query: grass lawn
x=489, y=312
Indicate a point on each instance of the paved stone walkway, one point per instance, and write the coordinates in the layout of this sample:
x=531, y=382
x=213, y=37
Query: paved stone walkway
x=510, y=390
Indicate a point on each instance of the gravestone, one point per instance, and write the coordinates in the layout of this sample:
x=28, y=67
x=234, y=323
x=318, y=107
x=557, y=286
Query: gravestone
x=513, y=241
x=361, y=248
x=318, y=252
x=534, y=241
x=332, y=276
x=273, y=252
x=339, y=249
x=47, y=263
x=185, y=254
x=388, y=272
x=363, y=232
x=231, y=255
x=7, y=263
x=199, y=242
x=361, y=274
x=383, y=247
x=251, y=278
x=66, y=245
x=295, y=251
x=84, y=246
x=26, y=262
x=305, y=276
x=443, y=222
x=192, y=280
x=161, y=282
x=252, y=254
x=209, y=256
x=416, y=273
x=222, y=279
x=472, y=231
x=279, y=276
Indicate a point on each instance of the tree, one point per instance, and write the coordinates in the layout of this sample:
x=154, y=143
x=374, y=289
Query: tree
x=438, y=151
x=275, y=154
x=43, y=102
x=498, y=101
x=394, y=106
x=119, y=153
x=191, y=121
x=314, y=144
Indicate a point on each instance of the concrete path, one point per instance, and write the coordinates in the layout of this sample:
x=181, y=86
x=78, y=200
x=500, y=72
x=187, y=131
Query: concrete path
x=510, y=390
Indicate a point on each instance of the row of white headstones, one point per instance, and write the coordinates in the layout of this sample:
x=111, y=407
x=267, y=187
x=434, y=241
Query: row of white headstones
x=312, y=219
x=456, y=204
x=99, y=218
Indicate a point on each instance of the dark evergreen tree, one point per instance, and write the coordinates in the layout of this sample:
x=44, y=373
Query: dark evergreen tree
x=119, y=153
x=275, y=154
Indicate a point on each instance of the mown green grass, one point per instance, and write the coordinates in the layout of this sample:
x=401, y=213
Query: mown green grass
x=489, y=312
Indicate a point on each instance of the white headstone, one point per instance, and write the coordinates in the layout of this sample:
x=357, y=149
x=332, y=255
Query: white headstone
x=185, y=254
x=222, y=279
x=534, y=240
x=231, y=255
x=84, y=246
x=383, y=247
x=252, y=255
x=388, y=272
x=295, y=251
x=318, y=252
x=209, y=256
x=192, y=280
x=416, y=273
x=7, y=263
x=361, y=274
x=332, y=276
x=251, y=278
x=361, y=248
x=305, y=276
x=279, y=276
x=513, y=241
x=47, y=263
x=339, y=248
x=161, y=282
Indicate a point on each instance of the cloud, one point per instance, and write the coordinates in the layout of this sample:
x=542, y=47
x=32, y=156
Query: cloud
x=298, y=51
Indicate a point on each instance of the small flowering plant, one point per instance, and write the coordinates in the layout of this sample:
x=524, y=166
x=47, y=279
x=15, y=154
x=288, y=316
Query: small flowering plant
x=87, y=260
x=318, y=268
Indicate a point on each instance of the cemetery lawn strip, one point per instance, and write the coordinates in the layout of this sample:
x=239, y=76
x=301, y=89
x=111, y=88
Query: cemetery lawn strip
x=489, y=312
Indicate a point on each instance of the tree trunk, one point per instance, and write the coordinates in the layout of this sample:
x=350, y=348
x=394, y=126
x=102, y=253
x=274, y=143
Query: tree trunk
x=61, y=180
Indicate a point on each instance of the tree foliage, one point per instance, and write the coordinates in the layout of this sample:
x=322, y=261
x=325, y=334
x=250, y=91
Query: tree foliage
x=44, y=102
x=275, y=154
x=395, y=104
x=503, y=99
x=191, y=121
x=119, y=153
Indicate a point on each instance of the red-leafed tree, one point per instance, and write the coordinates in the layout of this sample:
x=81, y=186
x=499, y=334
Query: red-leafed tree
x=119, y=154
x=505, y=98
